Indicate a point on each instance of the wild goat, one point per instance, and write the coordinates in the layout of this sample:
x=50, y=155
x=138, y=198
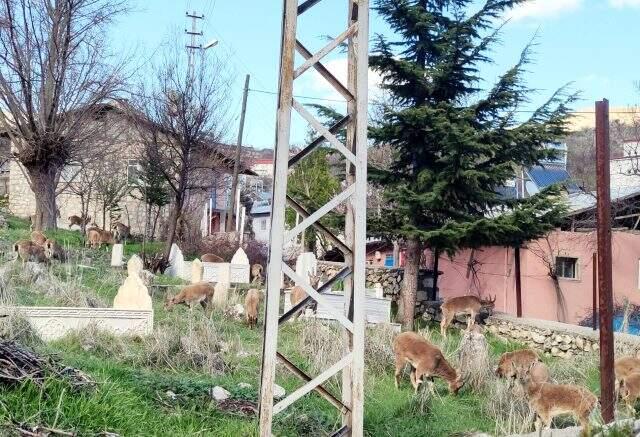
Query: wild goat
x=53, y=250
x=550, y=400
x=97, y=237
x=193, y=294
x=75, y=220
x=29, y=251
x=426, y=361
x=298, y=294
x=38, y=238
x=516, y=361
x=624, y=367
x=630, y=390
x=211, y=258
x=256, y=274
x=470, y=305
x=251, y=307
x=121, y=231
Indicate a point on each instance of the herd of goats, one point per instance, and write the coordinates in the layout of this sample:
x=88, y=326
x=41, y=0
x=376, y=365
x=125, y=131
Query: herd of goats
x=546, y=399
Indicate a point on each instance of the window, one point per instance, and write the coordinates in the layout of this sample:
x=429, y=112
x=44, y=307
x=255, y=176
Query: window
x=263, y=224
x=567, y=267
x=134, y=169
x=388, y=260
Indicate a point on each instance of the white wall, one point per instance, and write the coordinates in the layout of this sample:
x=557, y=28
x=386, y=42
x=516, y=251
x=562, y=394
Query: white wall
x=261, y=226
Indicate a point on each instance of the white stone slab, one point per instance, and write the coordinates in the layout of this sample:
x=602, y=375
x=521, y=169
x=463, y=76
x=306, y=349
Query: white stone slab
x=306, y=264
x=197, y=271
x=52, y=323
x=133, y=295
x=376, y=310
x=176, y=261
x=117, y=254
x=135, y=266
x=186, y=271
x=216, y=272
x=239, y=274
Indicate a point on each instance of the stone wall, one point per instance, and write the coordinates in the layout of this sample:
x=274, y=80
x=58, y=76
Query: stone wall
x=552, y=338
x=391, y=280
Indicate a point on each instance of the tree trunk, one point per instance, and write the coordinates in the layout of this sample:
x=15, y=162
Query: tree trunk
x=43, y=185
x=173, y=223
x=155, y=223
x=407, y=307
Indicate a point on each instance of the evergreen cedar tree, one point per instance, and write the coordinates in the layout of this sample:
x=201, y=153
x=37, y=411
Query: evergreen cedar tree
x=454, y=141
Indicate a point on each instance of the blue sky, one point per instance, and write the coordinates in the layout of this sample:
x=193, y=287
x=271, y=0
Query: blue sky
x=593, y=43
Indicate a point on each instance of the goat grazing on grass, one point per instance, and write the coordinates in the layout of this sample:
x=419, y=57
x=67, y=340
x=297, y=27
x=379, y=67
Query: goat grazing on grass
x=97, y=237
x=469, y=305
x=426, y=360
x=518, y=361
x=256, y=274
x=298, y=294
x=630, y=390
x=191, y=295
x=251, y=307
x=550, y=400
x=29, y=251
x=624, y=367
x=121, y=231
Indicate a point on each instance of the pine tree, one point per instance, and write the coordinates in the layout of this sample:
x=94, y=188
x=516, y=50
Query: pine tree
x=455, y=143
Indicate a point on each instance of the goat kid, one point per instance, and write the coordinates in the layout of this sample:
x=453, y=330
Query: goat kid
x=191, y=295
x=251, y=302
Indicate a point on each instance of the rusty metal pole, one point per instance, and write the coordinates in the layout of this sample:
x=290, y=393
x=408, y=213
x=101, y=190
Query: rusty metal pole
x=518, y=282
x=605, y=283
x=594, y=322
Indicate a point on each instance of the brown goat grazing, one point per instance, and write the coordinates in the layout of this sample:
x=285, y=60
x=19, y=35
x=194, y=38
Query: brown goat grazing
x=298, y=294
x=198, y=293
x=121, y=231
x=550, y=400
x=251, y=307
x=624, y=367
x=29, y=251
x=630, y=390
x=470, y=305
x=512, y=362
x=211, y=258
x=425, y=359
x=97, y=237
x=38, y=238
x=53, y=250
x=75, y=220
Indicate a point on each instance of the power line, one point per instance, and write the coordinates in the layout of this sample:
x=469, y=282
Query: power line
x=382, y=104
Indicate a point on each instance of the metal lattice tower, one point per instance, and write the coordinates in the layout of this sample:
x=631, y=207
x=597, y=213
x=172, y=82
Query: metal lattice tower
x=354, y=196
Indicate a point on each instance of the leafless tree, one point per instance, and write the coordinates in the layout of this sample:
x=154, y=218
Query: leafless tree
x=111, y=186
x=55, y=71
x=181, y=113
x=82, y=184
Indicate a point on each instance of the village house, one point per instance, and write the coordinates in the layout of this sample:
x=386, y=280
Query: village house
x=207, y=208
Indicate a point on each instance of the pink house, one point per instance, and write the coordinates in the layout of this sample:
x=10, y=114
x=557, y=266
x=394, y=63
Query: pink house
x=490, y=271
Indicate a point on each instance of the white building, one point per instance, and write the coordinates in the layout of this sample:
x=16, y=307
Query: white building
x=260, y=216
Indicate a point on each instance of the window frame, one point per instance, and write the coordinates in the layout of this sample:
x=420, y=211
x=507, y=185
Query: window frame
x=576, y=268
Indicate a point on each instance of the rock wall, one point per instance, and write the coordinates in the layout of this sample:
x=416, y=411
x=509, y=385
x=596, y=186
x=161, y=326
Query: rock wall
x=391, y=279
x=552, y=338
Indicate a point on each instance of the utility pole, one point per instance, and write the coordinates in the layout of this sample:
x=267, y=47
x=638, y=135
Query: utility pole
x=236, y=164
x=605, y=283
x=193, y=33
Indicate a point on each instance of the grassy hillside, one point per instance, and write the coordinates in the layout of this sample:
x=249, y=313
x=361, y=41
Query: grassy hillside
x=158, y=385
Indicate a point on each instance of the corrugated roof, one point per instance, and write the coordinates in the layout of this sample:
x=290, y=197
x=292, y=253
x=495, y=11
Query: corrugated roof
x=261, y=207
x=579, y=202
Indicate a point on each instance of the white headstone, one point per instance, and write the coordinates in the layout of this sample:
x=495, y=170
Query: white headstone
x=135, y=266
x=379, y=290
x=221, y=294
x=306, y=264
x=197, y=271
x=176, y=261
x=216, y=272
x=133, y=295
x=185, y=272
x=116, y=255
x=240, y=257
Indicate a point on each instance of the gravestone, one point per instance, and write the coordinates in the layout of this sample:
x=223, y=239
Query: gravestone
x=306, y=264
x=197, y=271
x=215, y=272
x=185, y=272
x=176, y=261
x=116, y=255
x=133, y=294
x=379, y=291
x=221, y=294
x=239, y=269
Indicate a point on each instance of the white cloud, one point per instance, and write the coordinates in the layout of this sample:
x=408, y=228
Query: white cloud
x=624, y=3
x=547, y=8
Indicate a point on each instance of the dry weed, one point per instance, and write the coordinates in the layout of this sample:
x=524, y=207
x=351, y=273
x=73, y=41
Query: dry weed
x=14, y=326
x=509, y=409
x=474, y=361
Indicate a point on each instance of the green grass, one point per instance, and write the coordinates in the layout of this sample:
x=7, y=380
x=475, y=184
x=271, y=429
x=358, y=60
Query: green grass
x=133, y=375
